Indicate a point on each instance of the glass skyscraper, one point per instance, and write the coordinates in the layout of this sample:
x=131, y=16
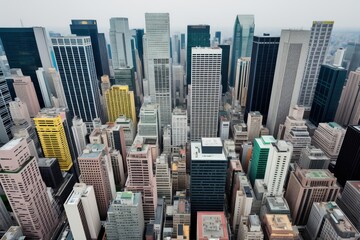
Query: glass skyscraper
x=262, y=69
x=242, y=41
x=197, y=36
x=225, y=58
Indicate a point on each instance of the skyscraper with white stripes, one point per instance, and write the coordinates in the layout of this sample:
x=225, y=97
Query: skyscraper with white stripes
x=78, y=75
x=205, y=92
x=157, y=62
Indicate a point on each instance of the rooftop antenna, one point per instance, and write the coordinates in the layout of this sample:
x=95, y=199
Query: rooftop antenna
x=21, y=22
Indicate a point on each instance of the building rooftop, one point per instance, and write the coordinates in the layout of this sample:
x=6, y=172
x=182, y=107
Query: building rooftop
x=197, y=154
x=355, y=184
x=317, y=173
x=11, y=144
x=277, y=204
x=212, y=225
x=278, y=222
x=12, y=233
x=211, y=142
x=46, y=162
x=80, y=190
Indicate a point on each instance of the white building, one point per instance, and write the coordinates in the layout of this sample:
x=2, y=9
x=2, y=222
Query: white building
x=179, y=127
x=163, y=179
x=79, y=132
x=254, y=124
x=289, y=70
x=19, y=111
x=158, y=64
x=224, y=127
x=205, y=92
x=149, y=121
x=329, y=138
x=251, y=230
x=166, y=139
x=338, y=57
x=242, y=80
x=44, y=86
x=82, y=212
x=120, y=42
x=299, y=138
x=318, y=44
x=55, y=79
x=277, y=167
x=125, y=217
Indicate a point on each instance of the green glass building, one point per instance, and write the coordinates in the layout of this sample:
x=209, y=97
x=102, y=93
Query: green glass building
x=259, y=157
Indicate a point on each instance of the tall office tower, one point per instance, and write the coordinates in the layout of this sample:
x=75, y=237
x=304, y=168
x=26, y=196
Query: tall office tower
x=141, y=178
x=54, y=77
x=307, y=186
x=211, y=225
x=104, y=87
x=120, y=101
x=240, y=135
x=328, y=221
x=259, y=87
x=242, y=42
x=82, y=212
x=178, y=88
x=313, y=158
x=181, y=212
x=299, y=138
x=183, y=50
x=88, y=28
x=278, y=226
x=44, y=86
x=205, y=92
x=30, y=201
x=224, y=127
x=290, y=64
x=327, y=94
x=319, y=41
x=129, y=129
x=126, y=76
x=354, y=58
x=76, y=52
x=277, y=167
x=348, y=110
x=163, y=179
x=207, y=188
x=179, y=127
x=348, y=162
x=119, y=170
x=294, y=119
x=54, y=142
x=338, y=57
x=178, y=171
x=19, y=111
x=120, y=42
x=254, y=123
x=166, y=139
x=158, y=63
x=225, y=61
x=197, y=36
x=27, y=49
x=96, y=170
x=260, y=155
x=218, y=36
x=5, y=108
x=241, y=81
x=149, y=121
x=251, y=230
x=125, y=217
x=329, y=137
x=241, y=201
x=79, y=133
x=5, y=219
x=246, y=153
x=25, y=90
x=348, y=205
x=175, y=48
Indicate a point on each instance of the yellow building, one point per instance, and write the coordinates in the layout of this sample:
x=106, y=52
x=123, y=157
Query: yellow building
x=53, y=140
x=120, y=101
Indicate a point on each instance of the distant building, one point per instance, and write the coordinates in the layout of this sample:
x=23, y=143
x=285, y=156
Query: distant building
x=225, y=62
x=163, y=179
x=241, y=84
x=179, y=127
x=5, y=108
x=178, y=171
x=211, y=225
x=254, y=123
x=25, y=90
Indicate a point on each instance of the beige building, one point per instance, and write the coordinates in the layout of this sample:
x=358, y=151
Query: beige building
x=278, y=226
x=25, y=90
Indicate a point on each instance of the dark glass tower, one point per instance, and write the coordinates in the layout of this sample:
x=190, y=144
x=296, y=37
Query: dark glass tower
x=327, y=94
x=262, y=69
x=139, y=46
x=197, y=36
x=27, y=49
x=348, y=162
x=218, y=36
x=89, y=28
x=225, y=58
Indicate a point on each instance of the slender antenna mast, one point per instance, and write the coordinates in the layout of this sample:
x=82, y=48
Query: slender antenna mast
x=21, y=22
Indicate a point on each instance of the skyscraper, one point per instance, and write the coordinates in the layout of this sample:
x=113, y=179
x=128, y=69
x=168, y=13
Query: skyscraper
x=120, y=41
x=260, y=155
x=319, y=41
x=125, y=217
x=30, y=201
x=348, y=162
x=241, y=85
x=120, y=101
x=19, y=111
x=80, y=86
x=25, y=90
x=59, y=89
x=225, y=60
x=179, y=127
x=5, y=118
x=205, y=92
x=197, y=36
x=254, y=123
x=327, y=94
x=348, y=110
x=79, y=131
x=88, y=28
x=242, y=42
x=178, y=86
x=207, y=188
x=262, y=69
x=218, y=36
x=158, y=72
x=290, y=63
x=27, y=49
x=307, y=186
x=163, y=179
x=82, y=212
x=96, y=170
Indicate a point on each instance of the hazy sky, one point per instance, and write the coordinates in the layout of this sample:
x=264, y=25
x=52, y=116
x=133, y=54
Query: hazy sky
x=270, y=15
